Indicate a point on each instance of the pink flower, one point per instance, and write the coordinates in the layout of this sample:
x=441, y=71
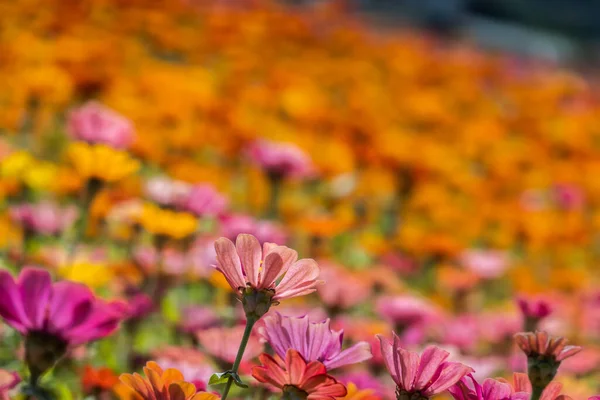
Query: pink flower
x=197, y=318
x=202, y=256
x=582, y=363
x=54, y=317
x=217, y=342
x=534, y=307
x=298, y=379
x=8, y=380
x=497, y=327
x=487, y=264
x=95, y=123
x=204, y=200
x=190, y=362
x=44, y=218
x=315, y=341
x=490, y=390
x=166, y=191
x=460, y=331
x=428, y=374
x=139, y=306
x=173, y=261
x=540, y=344
x=245, y=264
x=521, y=384
x=281, y=159
x=265, y=231
x=569, y=197
x=405, y=310
x=67, y=311
x=343, y=290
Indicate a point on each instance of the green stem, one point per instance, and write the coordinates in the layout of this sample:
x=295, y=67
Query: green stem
x=536, y=393
x=238, y=359
x=273, y=209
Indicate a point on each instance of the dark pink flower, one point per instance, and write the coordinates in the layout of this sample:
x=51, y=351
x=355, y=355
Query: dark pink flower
x=265, y=231
x=568, y=196
x=469, y=389
x=44, y=218
x=427, y=374
x=95, y=123
x=204, y=200
x=315, y=341
x=139, y=306
x=281, y=159
x=534, y=307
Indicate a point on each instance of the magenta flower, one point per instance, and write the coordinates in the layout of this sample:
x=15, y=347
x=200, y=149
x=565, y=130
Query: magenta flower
x=204, y=200
x=569, y=197
x=425, y=375
x=95, y=123
x=274, y=269
x=490, y=390
x=281, y=159
x=166, y=191
x=534, y=307
x=315, y=341
x=44, y=218
x=53, y=316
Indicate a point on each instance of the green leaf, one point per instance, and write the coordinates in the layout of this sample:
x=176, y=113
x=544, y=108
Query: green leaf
x=223, y=377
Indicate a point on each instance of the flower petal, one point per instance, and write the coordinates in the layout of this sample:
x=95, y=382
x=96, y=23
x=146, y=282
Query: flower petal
x=359, y=352
x=451, y=373
x=250, y=254
x=35, y=286
x=11, y=303
x=228, y=263
x=431, y=359
x=301, y=272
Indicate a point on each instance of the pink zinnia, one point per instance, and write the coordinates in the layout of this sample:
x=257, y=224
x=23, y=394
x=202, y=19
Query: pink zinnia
x=265, y=231
x=487, y=264
x=54, y=316
x=541, y=345
x=405, y=310
x=534, y=307
x=95, y=123
x=204, y=200
x=44, y=218
x=343, y=289
x=281, y=159
x=315, y=341
x=246, y=265
x=166, y=191
x=427, y=374
x=217, y=342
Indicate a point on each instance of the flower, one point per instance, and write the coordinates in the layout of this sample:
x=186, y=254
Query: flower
x=490, y=390
x=534, y=308
x=359, y=394
x=190, y=362
x=166, y=192
x=198, y=318
x=427, y=374
x=298, y=379
x=249, y=268
x=95, y=123
x=487, y=264
x=217, y=342
x=53, y=317
x=101, y=162
x=204, y=200
x=315, y=341
x=265, y=231
x=163, y=385
x=540, y=345
x=90, y=273
x=175, y=224
x=44, y=218
x=344, y=289
x=405, y=310
x=100, y=378
x=281, y=159
x=8, y=380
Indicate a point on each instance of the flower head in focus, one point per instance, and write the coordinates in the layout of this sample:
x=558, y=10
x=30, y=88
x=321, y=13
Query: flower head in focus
x=95, y=123
x=162, y=384
x=264, y=275
x=422, y=375
x=301, y=334
x=298, y=379
x=54, y=317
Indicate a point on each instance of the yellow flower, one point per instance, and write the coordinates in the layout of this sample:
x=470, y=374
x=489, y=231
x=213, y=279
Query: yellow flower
x=91, y=274
x=175, y=224
x=101, y=162
x=16, y=164
x=355, y=394
x=41, y=175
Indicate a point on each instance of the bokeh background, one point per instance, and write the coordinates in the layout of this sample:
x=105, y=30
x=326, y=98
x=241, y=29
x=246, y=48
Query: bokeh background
x=453, y=150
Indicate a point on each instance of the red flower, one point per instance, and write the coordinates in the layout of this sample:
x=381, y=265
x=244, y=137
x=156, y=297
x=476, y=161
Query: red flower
x=297, y=378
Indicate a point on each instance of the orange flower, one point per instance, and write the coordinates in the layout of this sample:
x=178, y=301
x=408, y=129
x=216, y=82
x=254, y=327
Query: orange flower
x=101, y=378
x=162, y=385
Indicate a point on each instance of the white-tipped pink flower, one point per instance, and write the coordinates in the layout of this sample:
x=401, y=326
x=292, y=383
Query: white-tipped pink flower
x=272, y=268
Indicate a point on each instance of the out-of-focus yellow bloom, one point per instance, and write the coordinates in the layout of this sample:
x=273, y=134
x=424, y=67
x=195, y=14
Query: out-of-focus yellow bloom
x=41, y=176
x=174, y=224
x=16, y=164
x=89, y=273
x=355, y=394
x=101, y=162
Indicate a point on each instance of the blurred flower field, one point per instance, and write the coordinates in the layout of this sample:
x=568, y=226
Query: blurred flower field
x=250, y=200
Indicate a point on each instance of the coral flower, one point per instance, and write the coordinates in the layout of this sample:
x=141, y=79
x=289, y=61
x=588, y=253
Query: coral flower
x=98, y=379
x=163, y=385
x=44, y=218
x=217, y=342
x=8, y=380
x=298, y=379
x=53, y=317
x=425, y=375
x=95, y=123
x=315, y=341
x=248, y=267
x=168, y=223
x=100, y=162
x=541, y=345
x=281, y=159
